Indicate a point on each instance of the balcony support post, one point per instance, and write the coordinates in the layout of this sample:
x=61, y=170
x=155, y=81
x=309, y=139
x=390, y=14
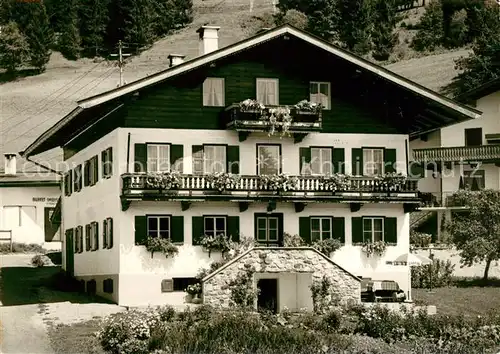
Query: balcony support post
x=243, y=206
x=410, y=207
x=125, y=204
x=271, y=206
x=355, y=207
x=298, y=137
x=185, y=205
x=299, y=207
x=242, y=136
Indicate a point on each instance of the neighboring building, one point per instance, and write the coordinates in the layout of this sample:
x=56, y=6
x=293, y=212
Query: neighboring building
x=184, y=119
x=28, y=200
x=463, y=155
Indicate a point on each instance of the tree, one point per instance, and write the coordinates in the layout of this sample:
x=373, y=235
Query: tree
x=354, y=24
x=294, y=18
x=431, y=31
x=139, y=23
x=476, y=231
x=69, y=41
x=39, y=36
x=13, y=48
x=93, y=20
x=384, y=37
x=323, y=18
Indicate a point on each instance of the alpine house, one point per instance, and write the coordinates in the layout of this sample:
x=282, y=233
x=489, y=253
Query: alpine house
x=281, y=133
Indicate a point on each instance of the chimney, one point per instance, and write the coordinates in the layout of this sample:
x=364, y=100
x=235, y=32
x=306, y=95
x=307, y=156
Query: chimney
x=10, y=164
x=175, y=59
x=209, y=39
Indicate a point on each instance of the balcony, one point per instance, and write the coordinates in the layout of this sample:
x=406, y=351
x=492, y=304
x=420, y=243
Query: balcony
x=483, y=153
x=300, y=190
x=275, y=120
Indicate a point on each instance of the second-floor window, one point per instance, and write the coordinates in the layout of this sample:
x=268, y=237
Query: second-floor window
x=321, y=161
x=268, y=91
x=159, y=226
x=215, y=225
x=214, y=158
x=474, y=137
x=158, y=157
x=321, y=228
x=373, y=162
x=213, y=92
x=269, y=159
x=373, y=229
x=319, y=92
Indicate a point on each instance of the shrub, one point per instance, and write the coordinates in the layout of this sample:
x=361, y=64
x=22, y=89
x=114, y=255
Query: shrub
x=293, y=240
x=21, y=248
x=328, y=246
x=162, y=245
x=439, y=273
x=420, y=239
x=41, y=260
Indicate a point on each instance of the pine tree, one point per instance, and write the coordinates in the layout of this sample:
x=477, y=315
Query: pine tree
x=139, y=23
x=69, y=40
x=354, y=25
x=323, y=18
x=93, y=20
x=39, y=36
x=14, y=48
x=384, y=37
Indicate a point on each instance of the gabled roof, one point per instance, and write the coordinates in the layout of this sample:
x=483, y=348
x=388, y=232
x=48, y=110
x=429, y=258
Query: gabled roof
x=462, y=112
x=480, y=91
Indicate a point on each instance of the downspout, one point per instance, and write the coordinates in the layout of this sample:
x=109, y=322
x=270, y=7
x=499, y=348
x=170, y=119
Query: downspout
x=128, y=153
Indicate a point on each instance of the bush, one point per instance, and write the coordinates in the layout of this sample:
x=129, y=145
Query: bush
x=420, y=239
x=41, y=260
x=439, y=274
x=21, y=248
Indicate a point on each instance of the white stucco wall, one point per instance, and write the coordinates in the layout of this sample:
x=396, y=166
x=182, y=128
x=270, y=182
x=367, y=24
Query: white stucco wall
x=28, y=226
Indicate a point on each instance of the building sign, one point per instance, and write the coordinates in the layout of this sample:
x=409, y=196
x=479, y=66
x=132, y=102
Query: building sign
x=44, y=199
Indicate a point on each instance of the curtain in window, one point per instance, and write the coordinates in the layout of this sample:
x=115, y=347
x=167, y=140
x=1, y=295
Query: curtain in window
x=213, y=92
x=215, y=159
x=373, y=160
x=319, y=93
x=269, y=160
x=158, y=158
x=267, y=91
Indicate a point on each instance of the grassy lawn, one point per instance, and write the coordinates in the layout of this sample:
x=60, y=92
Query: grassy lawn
x=471, y=301
x=76, y=338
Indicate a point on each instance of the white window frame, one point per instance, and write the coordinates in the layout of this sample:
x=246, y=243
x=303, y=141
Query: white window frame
x=158, y=217
x=276, y=92
x=369, y=164
x=372, y=231
x=162, y=168
x=206, y=167
x=206, y=100
x=267, y=229
x=214, y=232
x=259, y=162
x=328, y=167
x=318, y=84
x=321, y=231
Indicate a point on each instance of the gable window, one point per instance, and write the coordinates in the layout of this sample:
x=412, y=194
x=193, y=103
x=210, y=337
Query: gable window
x=373, y=229
x=214, y=158
x=213, y=92
x=267, y=91
x=474, y=137
x=107, y=239
x=474, y=180
x=319, y=92
x=321, y=161
x=268, y=159
x=158, y=157
x=107, y=162
x=159, y=226
x=215, y=225
x=321, y=228
x=373, y=162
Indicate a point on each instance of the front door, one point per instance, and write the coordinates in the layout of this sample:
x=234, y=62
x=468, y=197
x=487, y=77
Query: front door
x=268, y=295
x=269, y=229
x=70, y=260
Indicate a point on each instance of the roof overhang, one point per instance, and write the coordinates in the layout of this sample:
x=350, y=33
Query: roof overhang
x=480, y=91
x=461, y=112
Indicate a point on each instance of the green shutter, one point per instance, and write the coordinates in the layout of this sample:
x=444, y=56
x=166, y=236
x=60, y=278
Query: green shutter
x=110, y=236
x=96, y=236
x=87, y=237
x=233, y=228
x=103, y=166
x=141, y=229
x=86, y=173
x=176, y=157
x=338, y=160
x=70, y=182
x=197, y=157
x=357, y=162
x=198, y=229
x=104, y=234
x=339, y=229
x=390, y=160
x=391, y=230
x=305, y=229
x=233, y=159
x=96, y=169
x=140, y=158
x=357, y=230
x=110, y=161
x=305, y=161
x=177, y=229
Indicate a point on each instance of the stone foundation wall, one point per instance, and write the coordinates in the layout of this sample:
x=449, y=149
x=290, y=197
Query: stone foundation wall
x=344, y=284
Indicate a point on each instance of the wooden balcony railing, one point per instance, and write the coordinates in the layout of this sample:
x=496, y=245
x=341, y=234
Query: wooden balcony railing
x=458, y=153
x=307, y=187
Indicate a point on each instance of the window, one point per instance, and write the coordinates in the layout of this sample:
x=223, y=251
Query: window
x=267, y=229
x=474, y=137
x=215, y=225
x=269, y=159
x=159, y=226
x=158, y=157
x=213, y=92
x=94, y=232
x=321, y=228
x=267, y=91
x=19, y=216
x=67, y=183
x=373, y=162
x=77, y=178
x=319, y=92
x=107, y=237
x=474, y=180
x=373, y=229
x=91, y=170
x=180, y=284
x=214, y=158
x=321, y=161
x=107, y=162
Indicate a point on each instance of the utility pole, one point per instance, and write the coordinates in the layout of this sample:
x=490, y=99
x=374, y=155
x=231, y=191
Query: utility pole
x=121, y=62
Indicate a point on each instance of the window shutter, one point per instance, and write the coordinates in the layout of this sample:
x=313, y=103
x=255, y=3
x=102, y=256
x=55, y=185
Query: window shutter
x=110, y=235
x=177, y=229
x=357, y=230
x=233, y=228
x=105, y=234
x=391, y=230
x=96, y=236
x=87, y=237
x=338, y=160
x=233, y=159
x=390, y=160
x=140, y=158
x=197, y=156
x=305, y=160
x=104, y=165
x=357, y=162
x=70, y=182
x=305, y=229
x=141, y=229
x=96, y=169
x=86, y=173
x=110, y=161
x=198, y=229
x=176, y=158
x=339, y=229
